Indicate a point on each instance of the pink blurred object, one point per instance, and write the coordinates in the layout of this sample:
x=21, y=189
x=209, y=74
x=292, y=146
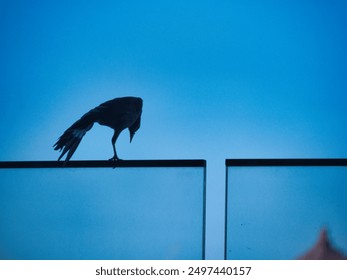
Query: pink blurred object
x=323, y=250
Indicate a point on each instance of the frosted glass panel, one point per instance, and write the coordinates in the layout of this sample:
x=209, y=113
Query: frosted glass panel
x=102, y=213
x=277, y=212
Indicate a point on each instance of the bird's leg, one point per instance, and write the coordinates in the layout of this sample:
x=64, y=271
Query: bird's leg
x=114, y=139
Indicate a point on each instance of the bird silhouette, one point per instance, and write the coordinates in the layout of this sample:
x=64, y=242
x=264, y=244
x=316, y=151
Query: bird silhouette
x=118, y=114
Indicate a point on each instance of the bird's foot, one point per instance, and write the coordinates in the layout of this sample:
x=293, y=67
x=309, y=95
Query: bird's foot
x=115, y=158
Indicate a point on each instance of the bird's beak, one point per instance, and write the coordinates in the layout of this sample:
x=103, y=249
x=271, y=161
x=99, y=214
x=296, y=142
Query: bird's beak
x=131, y=136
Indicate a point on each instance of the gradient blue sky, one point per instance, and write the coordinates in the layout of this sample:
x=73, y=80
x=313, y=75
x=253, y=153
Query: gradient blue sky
x=219, y=79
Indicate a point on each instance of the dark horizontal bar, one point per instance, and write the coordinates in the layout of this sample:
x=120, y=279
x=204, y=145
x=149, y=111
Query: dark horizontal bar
x=103, y=163
x=287, y=162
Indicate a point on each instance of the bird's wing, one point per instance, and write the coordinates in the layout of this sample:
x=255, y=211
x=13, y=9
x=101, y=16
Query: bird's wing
x=119, y=113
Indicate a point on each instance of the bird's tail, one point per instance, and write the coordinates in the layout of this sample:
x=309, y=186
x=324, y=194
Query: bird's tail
x=72, y=137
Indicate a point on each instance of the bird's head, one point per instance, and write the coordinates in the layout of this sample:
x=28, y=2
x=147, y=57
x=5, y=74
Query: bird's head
x=136, y=125
x=134, y=128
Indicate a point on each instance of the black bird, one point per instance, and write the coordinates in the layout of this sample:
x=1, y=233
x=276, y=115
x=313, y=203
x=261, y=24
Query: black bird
x=118, y=114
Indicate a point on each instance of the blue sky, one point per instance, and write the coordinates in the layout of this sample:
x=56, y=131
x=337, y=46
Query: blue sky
x=219, y=79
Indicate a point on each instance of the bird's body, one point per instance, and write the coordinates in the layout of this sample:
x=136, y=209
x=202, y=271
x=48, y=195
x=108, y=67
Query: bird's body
x=118, y=114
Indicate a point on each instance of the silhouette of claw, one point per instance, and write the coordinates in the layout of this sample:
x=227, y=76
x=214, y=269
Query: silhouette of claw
x=116, y=161
x=115, y=158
